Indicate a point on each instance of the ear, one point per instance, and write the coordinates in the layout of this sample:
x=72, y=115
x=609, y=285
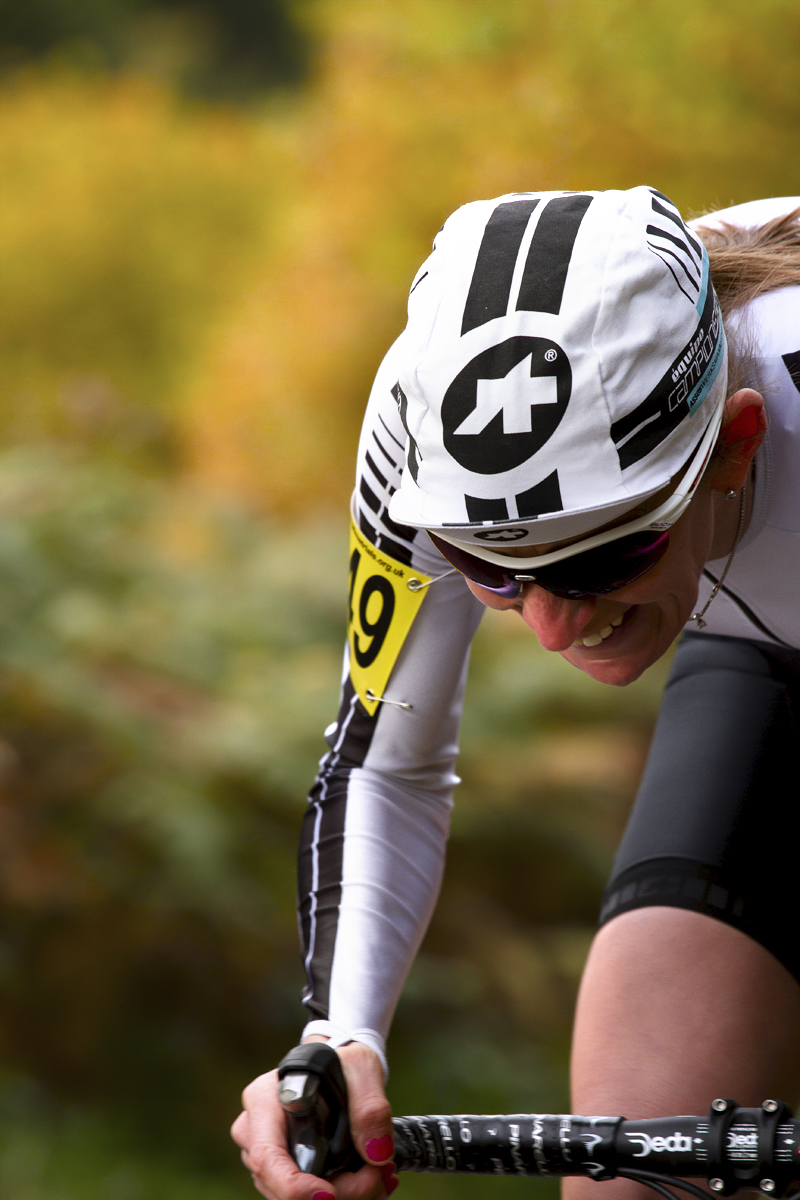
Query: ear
x=744, y=425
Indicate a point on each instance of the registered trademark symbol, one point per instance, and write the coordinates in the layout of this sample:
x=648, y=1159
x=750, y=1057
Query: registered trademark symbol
x=549, y=355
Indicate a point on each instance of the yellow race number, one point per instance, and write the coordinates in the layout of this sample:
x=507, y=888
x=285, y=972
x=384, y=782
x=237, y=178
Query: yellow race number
x=385, y=596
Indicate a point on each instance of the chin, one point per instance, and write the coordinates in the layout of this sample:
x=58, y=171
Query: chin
x=617, y=671
x=640, y=642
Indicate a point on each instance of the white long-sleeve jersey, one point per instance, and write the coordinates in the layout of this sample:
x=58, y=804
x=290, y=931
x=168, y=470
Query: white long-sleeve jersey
x=761, y=594
x=373, y=843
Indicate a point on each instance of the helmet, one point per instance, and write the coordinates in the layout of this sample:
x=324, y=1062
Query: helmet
x=564, y=358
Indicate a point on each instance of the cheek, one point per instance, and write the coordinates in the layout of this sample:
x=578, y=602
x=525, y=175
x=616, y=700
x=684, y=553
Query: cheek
x=676, y=575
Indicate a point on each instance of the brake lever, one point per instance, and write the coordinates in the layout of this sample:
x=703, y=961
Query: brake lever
x=313, y=1094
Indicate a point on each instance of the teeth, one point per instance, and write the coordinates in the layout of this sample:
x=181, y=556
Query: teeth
x=594, y=639
x=617, y=620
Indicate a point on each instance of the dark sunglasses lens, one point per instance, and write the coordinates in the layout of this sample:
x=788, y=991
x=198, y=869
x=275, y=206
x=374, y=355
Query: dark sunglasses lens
x=477, y=570
x=592, y=573
x=606, y=568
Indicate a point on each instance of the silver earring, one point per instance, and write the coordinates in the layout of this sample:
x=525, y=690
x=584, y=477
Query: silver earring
x=730, y=494
x=698, y=616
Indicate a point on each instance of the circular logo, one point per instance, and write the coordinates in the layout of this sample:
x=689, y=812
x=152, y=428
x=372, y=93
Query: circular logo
x=500, y=535
x=505, y=404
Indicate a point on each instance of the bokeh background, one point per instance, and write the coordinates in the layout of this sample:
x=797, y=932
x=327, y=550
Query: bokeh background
x=211, y=212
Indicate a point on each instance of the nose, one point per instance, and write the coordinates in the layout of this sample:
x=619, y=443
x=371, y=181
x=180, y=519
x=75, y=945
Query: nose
x=555, y=621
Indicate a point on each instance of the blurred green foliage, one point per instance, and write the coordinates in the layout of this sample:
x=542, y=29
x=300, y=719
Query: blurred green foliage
x=168, y=664
x=160, y=716
x=194, y=299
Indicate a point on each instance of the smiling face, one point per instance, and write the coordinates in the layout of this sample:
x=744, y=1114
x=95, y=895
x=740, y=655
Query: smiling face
x=628, y=630
x=636, y=624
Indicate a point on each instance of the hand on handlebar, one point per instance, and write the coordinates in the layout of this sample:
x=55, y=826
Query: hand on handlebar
x=260, y=1132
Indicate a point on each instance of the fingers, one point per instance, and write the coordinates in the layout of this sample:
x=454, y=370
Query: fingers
x=389, y=1178
x=260, y=1132
x=370, y=1183
x=370, y=1111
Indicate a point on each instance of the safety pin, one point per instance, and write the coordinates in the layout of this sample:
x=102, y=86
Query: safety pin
x=416, y=585
x=373, y=699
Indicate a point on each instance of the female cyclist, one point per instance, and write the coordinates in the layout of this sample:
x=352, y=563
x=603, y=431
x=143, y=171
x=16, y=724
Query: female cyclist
x=592, y=419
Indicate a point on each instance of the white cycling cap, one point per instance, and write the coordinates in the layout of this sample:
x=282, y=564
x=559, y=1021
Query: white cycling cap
x=563, y=358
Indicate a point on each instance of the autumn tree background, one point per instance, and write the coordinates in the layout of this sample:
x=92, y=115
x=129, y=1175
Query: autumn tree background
x=210, y=216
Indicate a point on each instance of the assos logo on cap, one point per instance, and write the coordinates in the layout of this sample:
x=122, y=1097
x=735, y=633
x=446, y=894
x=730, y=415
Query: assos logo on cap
x=506, y=404
x=500, y=535
x=675, y=1143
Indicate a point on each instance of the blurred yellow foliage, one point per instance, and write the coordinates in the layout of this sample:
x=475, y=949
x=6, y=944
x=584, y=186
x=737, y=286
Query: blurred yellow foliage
x=245, y=272
x=127, y=223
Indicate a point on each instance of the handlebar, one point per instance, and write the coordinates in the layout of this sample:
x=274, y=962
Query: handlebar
x=732, y=1147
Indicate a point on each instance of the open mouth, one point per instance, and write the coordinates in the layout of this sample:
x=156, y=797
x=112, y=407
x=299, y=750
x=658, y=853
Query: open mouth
x=595, y=639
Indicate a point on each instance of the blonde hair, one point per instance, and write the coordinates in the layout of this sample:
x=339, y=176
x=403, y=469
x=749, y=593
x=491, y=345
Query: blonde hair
x=745, y=264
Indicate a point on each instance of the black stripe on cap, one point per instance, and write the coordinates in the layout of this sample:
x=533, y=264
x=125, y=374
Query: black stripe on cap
x=486, y=510
x=548, y=258
x=682, y=245
x=641, y=430
x=544, y=497
x=494, y=266
x=671, y=270
x=675, y=217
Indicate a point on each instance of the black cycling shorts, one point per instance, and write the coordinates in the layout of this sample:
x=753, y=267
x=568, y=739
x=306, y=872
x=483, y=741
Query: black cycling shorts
x=716, y=824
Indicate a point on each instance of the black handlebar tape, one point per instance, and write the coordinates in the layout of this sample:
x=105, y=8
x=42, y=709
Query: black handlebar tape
x=318, y=1137
x=518, y=1144
x=532, y=1144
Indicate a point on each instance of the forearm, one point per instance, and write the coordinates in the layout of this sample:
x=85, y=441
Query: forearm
x=374, y=836
x=363, y=929
x=375, y=830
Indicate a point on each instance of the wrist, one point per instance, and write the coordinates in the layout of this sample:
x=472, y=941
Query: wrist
x=337, y=1035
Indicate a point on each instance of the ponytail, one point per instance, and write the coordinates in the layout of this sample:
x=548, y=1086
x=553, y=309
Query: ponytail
x=746, y=263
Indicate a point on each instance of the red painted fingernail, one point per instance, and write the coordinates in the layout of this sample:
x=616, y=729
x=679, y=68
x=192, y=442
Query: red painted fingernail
x=379, y=1148
x=746, y=425
x=323, y=1196
x=391, y=1185
x=387, y=1171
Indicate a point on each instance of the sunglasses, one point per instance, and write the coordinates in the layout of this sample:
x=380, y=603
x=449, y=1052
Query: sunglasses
x=592, y=572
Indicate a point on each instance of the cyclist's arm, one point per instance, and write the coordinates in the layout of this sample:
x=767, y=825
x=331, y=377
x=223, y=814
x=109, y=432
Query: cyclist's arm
x=372, y=850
